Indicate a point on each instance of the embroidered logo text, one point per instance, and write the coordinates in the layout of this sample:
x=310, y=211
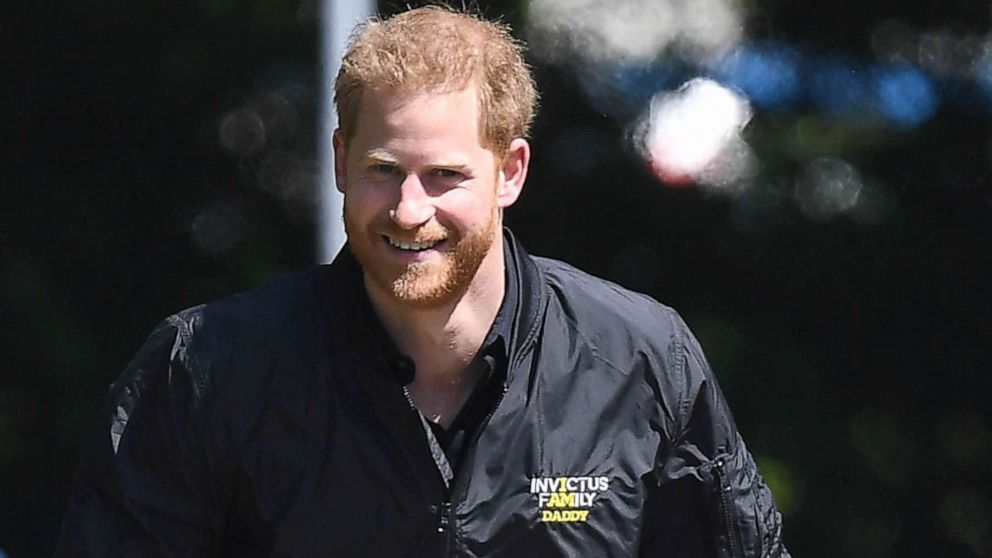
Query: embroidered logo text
x=566, y=499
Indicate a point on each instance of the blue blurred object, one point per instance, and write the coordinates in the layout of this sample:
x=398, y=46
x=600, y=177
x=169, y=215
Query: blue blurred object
x=778, y=76
x=905, y=95
x=839, y=87
x=768, y=73
x=622, y=91
x=983, y=76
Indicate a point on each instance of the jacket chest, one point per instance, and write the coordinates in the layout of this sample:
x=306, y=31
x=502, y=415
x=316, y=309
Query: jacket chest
x=558, y=465
x=561, y=466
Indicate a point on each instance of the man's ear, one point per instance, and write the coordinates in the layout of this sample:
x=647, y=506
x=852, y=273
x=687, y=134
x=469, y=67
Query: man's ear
x=340, y=160
x=513, y=172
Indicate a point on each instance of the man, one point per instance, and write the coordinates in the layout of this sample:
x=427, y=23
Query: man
x=435, y=391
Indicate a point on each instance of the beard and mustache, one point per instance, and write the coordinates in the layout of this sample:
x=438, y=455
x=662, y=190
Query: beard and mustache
x=422, y=284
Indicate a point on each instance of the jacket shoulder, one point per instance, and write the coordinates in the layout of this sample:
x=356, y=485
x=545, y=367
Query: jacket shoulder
x=604, y=309
x=631, y=333
x=264, y=307
x=228, y=350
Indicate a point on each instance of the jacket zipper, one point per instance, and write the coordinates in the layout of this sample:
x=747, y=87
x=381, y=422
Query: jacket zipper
x=446, y=522
x=732, y=544
x=409, y=400
x=444, y=513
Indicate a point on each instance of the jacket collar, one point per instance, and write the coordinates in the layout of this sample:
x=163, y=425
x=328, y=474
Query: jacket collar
x=342, y=294
x=531, y=299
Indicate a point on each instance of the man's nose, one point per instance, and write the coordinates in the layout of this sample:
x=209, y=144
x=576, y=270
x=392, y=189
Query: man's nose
x=414, y=207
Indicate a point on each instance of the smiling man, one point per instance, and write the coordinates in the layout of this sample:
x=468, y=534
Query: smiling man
x=435, y=391
x=423, y=213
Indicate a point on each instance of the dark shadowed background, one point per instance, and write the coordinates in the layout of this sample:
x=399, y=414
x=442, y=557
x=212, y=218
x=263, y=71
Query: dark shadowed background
x=161, y=154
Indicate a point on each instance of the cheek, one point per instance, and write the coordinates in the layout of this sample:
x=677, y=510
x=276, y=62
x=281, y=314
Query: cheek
x=466, y=210
x=364, y=199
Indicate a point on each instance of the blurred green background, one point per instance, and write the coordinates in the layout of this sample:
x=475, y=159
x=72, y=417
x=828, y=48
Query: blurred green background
x=162, y=154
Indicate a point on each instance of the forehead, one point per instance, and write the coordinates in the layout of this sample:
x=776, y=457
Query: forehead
x=449, y=114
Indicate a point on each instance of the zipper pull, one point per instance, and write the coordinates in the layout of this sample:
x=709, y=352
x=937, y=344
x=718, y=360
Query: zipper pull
x=722, y=475
x=444, y=511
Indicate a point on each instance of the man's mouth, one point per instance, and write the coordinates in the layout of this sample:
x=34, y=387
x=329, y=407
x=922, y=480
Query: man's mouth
x=411, y=246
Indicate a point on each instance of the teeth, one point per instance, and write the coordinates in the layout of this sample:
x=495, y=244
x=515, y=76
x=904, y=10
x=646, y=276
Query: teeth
x=414, y=246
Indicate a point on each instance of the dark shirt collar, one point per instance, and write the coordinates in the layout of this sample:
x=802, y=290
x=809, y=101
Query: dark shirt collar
x=496, y=343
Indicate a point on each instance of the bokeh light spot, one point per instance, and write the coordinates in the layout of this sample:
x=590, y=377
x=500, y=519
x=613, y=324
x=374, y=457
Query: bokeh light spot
x=767, y=73
x=983, y=74
x=905, y=95
x=621, y=91
x=630, y=31
x=218, y=228
x=786, y=488
x=945, y=53
x=827, y=187
x=838, y=88
x=894, y=40
x=935, y=52
x=625, y=30
x=279, y=117
x=732, y=169
x=287, y=175
x=685, y=132
x=242, y=132
x=708, y=26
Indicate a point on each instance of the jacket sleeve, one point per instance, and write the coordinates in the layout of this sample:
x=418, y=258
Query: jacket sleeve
x=141, y=489
x=709, y=498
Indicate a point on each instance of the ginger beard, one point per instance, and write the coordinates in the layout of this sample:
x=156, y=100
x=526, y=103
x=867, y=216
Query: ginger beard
x=424, y=283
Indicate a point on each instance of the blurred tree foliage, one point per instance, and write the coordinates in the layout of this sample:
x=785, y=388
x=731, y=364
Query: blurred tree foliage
x=162, y=154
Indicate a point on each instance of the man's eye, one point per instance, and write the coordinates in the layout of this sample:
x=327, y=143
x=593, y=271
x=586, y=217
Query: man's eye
x=384, y=169
x=447, y=173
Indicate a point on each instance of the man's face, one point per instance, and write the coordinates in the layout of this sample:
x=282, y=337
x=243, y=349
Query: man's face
x=422, y=195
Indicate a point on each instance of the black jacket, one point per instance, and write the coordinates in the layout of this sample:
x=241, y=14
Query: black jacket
x=272, y=423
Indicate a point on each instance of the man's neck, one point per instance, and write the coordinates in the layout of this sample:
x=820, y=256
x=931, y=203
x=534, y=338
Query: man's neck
x=444, y=340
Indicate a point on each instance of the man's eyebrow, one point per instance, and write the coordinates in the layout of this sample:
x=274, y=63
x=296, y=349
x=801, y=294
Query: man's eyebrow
x=452, y=164
x=382, y=156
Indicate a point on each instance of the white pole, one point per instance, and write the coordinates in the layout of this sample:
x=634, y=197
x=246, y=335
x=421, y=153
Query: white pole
x=337, y=19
